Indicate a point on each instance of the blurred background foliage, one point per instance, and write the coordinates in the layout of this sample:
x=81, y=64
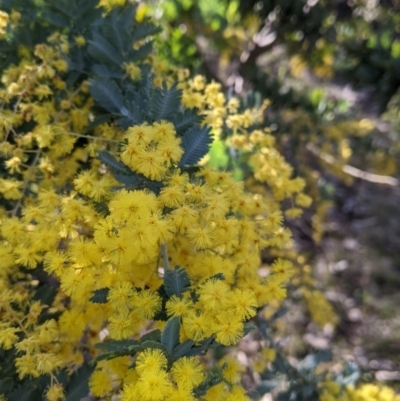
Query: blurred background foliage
x=331, y=72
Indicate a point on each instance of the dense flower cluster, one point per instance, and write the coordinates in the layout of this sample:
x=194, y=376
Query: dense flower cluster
x=100, y=214
x=85, y=231
x=208, y=224
x=333, y=391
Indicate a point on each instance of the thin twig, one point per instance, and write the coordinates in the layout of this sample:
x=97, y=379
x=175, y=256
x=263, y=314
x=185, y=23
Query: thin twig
x=164, y=252
x=353, y=171
x=26, y=182
x=86, y=136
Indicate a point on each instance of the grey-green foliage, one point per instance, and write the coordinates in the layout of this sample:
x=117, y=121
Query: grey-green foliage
x=176, y=281
x=126, y=176
x=115, y=166
x=214, y=377
x=23, y=392
x=182, y=349
x=115, y=345
x=78, y=386
x=190, y=348
x=196, y=142
x=168, y=344
x=108, y=95
x=297, y=382
x=45, y=294
x=155, y=104
x=74, y=16
x=170, y=334
x=165, y=102
x=116, y=348
x=6, y=385
x=132, y=103
x=154, y=335
x=187, y=119
x=350, y=375
x=203, y=347
x=100, y=296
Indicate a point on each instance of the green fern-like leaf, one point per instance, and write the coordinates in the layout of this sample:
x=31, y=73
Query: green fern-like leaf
x=102, y=50
x=248, y=327
x=129, y=351
x=116, y=34
x=136, y=115
x=182, y=349
x=6, y=385
x=96, y=122
x=196, y=143
x=162, y=314
x=153, y=186
x=165, y=102
x=170, y=334
x=84, y=7
x=143, y=30
x=185, y=120
x=130, y=181
x=115, y=345
x=113, y=164
x=107, y=95
x=203, y=347
x=154, y=335
x=126, y=15
x=145, y=88
x=78, y=386
x=218, y=276
x=215, y=377
x=140, y=53
x=87, y=13
x=176, y=281
x=100, y=296
x=156, y=345
x=56, y=19
x=45, y=294
x=311, y=361
x=7, y=358
x=76, y=64
x=102, y=70
x=23, y=392
x=116, y=348
x=64, y=8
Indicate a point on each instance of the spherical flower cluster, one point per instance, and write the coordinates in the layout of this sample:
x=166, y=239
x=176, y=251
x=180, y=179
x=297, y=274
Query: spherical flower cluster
x=151, y=150
x=153, y=382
